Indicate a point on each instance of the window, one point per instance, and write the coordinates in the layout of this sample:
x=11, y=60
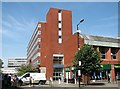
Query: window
x=39, y=32
x=59, y=15
x=39, y=39
x=57, y=60
x=59, y=21
x=59, y=25
x=59, y=11
x=59, y=29
x=59, y=40
x=60, y=33
x=60, y=36
x=39, y=25
x=103, y=52
x=114, y=52
x=58, y=72
x=27, y=75
x=39, y=45
x=113, y=56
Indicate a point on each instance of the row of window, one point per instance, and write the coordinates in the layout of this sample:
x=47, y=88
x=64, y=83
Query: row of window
x=58, y=59
x=34, y=41
x=32, y=52
x=34, y=35
x=104, y=50
x=59, y=26
x=36, y=63
x=103, y=56
x=35, y=56
x=34, y=48
x=57, y=74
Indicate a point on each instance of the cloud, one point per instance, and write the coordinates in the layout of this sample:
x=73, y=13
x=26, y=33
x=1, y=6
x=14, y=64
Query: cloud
x=13, y=27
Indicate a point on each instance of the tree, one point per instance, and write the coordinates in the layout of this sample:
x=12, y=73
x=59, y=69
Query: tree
x=25, y=68
x=1, y=63
x=90, y=59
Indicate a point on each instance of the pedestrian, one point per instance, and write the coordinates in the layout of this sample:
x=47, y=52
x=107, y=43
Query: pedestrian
x=12, y=81
x=15, y=79
x=33, y=82
x=9, y=80
x=5, y=80
x=108, y=78
x=30, y=81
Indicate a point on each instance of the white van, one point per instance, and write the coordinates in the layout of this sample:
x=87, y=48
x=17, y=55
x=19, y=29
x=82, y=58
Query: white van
x=38, y=78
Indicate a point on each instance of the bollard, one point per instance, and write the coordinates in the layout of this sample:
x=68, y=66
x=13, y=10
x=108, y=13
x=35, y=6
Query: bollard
x=75, y=81
x=67, y=81
x=51, y=81
x=59, y=81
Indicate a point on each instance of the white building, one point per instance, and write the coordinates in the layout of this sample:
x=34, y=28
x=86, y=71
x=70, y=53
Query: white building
x=16, y=61
x=9, y=70
x=13, y=64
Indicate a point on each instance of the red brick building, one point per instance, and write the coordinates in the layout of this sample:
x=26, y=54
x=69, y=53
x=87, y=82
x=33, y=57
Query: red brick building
x=53, y=45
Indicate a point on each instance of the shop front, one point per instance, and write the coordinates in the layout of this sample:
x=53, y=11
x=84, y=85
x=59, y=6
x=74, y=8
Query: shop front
x=117, y=71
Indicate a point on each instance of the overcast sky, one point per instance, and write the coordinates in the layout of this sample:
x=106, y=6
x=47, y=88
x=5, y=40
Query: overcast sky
x=19, y=21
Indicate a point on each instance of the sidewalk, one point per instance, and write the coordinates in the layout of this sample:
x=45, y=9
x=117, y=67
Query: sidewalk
x=95, y=84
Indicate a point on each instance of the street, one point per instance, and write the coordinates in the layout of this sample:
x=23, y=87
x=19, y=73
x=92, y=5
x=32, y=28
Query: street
x=57, y=85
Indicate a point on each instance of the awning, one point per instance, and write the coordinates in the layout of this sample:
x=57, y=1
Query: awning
x=106, y=66
x=117, y=66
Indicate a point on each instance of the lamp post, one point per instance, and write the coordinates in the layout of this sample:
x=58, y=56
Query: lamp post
x=79, y=31
x=79, y=72
x=79, y=23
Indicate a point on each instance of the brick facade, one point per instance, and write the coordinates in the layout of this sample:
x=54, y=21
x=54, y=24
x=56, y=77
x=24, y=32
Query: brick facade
x=50, y=46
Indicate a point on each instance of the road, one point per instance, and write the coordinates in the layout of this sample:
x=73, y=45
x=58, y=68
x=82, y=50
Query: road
x=56, y=85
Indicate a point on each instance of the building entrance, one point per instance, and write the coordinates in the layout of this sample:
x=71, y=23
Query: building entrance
x=58, y=74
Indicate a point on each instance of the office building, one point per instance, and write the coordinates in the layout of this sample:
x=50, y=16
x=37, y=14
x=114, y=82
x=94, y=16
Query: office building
x=17, y=61
x=53, y=45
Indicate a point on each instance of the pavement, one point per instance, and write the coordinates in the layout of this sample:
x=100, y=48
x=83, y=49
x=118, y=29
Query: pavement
x=62, y=85
x=93, y=84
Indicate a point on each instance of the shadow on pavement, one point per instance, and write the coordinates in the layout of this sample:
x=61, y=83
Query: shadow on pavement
x=11, y=87
x=96, y=84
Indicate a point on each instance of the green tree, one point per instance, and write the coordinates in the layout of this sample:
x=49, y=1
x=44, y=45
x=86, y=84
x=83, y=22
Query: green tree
x=90, y=59
x=25, y=68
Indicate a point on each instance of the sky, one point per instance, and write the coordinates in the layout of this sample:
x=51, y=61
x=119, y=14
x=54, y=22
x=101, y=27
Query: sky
x=19, y=20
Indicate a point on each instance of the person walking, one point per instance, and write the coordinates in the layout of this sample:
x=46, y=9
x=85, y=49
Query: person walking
x=108, y=78
x=30, y=81
x=33, y=82
x=9, y=80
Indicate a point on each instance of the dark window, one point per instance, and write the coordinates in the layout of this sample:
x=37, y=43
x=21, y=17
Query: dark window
x=114, y=52
x=59, y=29
x=39, y=46
x=59, y=11
x=113, y=56
x=27, y=75
x=103, y=52
x=59, y=21
x=60, y=36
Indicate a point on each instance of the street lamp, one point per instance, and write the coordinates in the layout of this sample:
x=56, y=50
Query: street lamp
x=79, y=23
x=79, y=72
x=79, y=31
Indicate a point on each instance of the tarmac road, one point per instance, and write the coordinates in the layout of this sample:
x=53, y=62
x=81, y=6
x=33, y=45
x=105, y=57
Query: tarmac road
x=56, y=85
